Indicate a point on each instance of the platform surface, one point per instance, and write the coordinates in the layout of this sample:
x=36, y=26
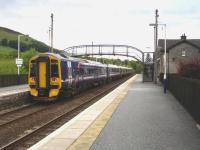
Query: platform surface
x=5, y=91
x=135, y=116
x=67, y=135
x=148, y=119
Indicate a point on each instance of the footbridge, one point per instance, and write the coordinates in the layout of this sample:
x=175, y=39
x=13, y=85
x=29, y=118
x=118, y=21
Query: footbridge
x=106, y=49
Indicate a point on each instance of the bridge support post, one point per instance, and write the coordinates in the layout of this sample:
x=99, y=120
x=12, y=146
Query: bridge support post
x=143, y=58
x=86, y=51
x=114, y=50
x=127, y=51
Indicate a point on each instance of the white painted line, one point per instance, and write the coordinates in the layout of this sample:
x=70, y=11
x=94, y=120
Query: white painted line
x=9, y=93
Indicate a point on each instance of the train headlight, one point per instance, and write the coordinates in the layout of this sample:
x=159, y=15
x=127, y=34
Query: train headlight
x=54, y=79
x=32, y=81
x=54, y=83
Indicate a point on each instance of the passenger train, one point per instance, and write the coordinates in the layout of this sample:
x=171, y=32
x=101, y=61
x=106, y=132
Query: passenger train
x=52, y=75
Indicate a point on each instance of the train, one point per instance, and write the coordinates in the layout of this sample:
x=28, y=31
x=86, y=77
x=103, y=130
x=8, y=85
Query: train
x=53, y=75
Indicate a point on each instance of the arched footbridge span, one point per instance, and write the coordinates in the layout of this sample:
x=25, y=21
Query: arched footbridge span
x=106, y=49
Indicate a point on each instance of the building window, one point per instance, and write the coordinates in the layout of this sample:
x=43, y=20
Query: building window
x=183, y=53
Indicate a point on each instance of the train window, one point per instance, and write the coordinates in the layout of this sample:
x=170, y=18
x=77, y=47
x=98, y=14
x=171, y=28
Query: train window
x=33, y=70
x=81, y=71
x=91, y=71
x=74, y=72
x=54, y=70
x=64, y=71
x=54, y=61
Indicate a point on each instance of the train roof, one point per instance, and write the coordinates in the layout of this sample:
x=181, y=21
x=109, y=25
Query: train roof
x=82, y=61
x=88, y=63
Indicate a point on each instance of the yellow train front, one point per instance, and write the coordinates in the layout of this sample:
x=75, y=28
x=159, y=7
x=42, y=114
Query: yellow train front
x=45, y=76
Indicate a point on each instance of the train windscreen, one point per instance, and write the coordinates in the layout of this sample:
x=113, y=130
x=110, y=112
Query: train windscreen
x=33, y=70
x=54, y=70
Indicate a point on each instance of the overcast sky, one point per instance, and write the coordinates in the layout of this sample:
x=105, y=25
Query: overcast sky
x=101, y=21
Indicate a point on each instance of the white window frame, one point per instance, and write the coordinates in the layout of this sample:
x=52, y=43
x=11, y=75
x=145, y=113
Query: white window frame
x=183, y=52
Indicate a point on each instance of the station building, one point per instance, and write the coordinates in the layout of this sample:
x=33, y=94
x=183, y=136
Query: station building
x=182, y=49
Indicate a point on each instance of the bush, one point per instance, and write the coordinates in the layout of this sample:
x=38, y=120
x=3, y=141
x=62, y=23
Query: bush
x=189, y=68
x=4, y=42
x=27, y=55
x=13, y=44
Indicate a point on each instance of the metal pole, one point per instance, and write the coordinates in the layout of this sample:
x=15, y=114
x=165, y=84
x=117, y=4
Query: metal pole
x=52, y=32
x=92, y=49
x=156, y=45
x=127, y=51
x=49, y=39
x=114, y=50
x=165, y=63
x=86, y=51
x=18, y=54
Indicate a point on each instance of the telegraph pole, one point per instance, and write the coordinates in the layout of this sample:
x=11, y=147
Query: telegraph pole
x=92, y=49
x=156, y=47
x=52, y=32
x=49, y=39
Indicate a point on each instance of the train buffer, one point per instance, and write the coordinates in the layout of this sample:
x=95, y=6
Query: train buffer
x=136, y=115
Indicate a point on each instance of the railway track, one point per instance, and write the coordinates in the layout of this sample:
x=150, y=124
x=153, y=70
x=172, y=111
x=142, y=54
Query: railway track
x=20, y=113
x=60, y=113
x=13, y=103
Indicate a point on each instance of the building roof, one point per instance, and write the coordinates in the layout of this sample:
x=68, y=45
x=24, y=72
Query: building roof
x=171, y=43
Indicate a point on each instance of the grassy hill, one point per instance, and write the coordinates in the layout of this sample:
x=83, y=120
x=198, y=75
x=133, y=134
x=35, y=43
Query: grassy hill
x=9, y=34
x=7, y=60
x=8, y=38
x=8, y=50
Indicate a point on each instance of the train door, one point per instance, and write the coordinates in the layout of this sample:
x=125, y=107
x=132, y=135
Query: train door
x=69, y=72
x=42, y=74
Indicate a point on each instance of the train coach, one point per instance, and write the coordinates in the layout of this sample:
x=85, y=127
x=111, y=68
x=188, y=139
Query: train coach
x=51, y=75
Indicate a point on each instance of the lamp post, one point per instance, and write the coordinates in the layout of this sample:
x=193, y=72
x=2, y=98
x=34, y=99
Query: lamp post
x=165, y=63
x=18, y=60
x=155, y=51
x=165, y=60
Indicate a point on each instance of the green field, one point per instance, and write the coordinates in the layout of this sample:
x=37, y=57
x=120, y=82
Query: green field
x=12, y=35
x=7, y=52
x=7, y=60
x=8, y=66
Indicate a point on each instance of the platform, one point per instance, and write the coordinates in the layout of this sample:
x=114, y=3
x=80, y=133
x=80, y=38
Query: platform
x=135, y=116
x=13, y=91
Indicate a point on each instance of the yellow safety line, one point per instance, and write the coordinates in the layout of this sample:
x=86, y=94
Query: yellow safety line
x=85, y=141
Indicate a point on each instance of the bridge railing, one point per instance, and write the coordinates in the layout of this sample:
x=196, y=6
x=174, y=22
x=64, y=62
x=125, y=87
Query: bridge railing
x=105, y=49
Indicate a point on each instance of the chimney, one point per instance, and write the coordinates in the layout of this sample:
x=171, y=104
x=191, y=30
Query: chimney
x=183, y=37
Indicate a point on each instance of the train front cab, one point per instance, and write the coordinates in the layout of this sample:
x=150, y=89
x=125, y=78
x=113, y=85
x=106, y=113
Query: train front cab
x=44, y=77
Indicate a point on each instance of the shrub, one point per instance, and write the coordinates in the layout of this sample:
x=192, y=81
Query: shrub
x=189, y=68
x=4, y=42
x=27, y=55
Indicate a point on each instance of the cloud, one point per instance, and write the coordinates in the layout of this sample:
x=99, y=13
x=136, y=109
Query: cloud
x=101, y=21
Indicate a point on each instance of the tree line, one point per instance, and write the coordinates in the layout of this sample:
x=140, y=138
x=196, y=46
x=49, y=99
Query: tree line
x=38, y=46
x=137, y=66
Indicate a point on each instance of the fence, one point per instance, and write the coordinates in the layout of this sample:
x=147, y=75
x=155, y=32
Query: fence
x=12, y=79
x=187, y=91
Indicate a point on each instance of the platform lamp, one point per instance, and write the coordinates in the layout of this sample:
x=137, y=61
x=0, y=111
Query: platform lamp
x=165, y=61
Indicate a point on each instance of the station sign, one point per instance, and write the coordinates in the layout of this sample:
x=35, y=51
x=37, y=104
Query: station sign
x=19, y=62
